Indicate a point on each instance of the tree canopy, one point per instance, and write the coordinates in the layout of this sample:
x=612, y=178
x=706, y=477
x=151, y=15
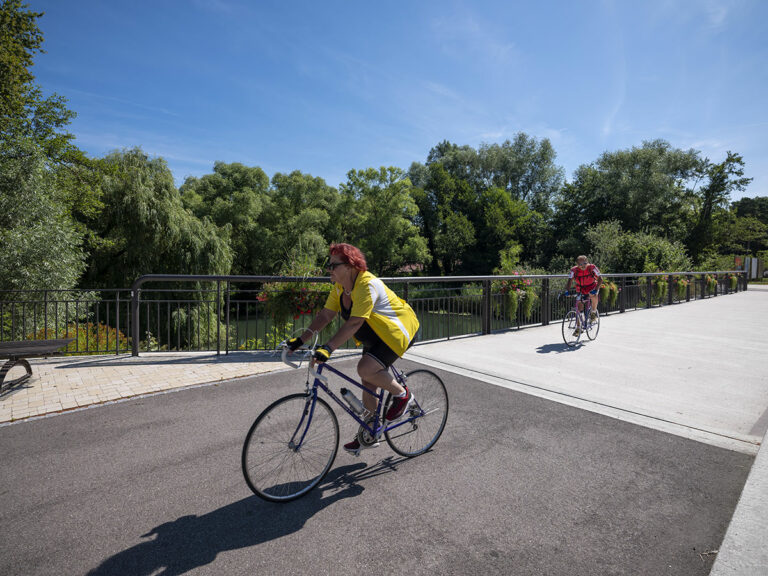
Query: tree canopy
x=67, y=220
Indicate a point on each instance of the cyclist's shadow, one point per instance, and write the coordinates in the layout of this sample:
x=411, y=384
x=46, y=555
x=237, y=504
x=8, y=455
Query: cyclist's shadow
x=192, y=541
x=560, y=347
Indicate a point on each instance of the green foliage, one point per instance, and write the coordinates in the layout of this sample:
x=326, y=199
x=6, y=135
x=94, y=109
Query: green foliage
x=609, y=293
x=660, y=288
x=514, y=291
x=723, y=178
x=681, y=287
x=144, y=228
x=644, y=189
x=284, y=300
x=66, y=219
x=197, y=328
x=41, y=247
x=88, y=337
x=29, y=122
x=238, y=201
x=618, y=251
x=711, y=260
x=380, y=215
x=524, y=168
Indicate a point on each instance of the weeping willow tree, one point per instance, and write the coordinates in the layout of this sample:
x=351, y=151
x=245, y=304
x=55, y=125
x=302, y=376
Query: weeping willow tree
x=144, y=228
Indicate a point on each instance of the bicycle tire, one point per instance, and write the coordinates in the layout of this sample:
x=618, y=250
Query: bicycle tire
x=420, y=434
x=570, y=323
x=593, y=326
x=272, y=468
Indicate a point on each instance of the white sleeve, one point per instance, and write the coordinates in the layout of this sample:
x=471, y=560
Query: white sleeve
x=596, y=270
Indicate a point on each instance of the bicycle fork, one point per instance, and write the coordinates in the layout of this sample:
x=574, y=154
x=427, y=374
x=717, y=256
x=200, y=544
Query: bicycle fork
x=304, y=422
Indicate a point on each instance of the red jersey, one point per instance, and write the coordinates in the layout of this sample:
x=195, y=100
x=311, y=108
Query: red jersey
x=586, y=278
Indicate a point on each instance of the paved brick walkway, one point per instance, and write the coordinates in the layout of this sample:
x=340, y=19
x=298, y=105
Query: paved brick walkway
x=67, y=383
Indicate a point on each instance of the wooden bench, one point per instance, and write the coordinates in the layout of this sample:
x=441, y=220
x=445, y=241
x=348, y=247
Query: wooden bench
x=17, y=352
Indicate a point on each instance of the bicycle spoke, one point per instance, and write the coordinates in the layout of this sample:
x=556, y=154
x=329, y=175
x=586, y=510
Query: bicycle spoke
x=273, y=468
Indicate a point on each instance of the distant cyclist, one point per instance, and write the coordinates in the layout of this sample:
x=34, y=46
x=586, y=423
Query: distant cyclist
x=588, y=281
x=376, y=317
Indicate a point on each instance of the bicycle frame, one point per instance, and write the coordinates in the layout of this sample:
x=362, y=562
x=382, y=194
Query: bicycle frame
x=319, y=381
x=583, y=315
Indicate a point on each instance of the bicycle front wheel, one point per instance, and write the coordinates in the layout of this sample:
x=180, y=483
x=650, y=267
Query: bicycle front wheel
x=425, y=420
x=290, y=447
x=570, y=327
x=593, y=326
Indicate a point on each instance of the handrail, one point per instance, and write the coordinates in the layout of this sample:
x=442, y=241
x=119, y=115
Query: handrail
x=136, y=286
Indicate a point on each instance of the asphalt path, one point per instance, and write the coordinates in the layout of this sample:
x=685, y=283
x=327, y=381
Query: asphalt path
x=517, y=484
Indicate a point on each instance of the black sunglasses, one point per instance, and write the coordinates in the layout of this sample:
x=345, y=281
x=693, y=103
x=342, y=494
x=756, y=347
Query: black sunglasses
x=333, y=265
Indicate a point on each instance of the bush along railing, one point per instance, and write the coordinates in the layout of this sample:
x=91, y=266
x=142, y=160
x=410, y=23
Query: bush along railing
x=223, y=313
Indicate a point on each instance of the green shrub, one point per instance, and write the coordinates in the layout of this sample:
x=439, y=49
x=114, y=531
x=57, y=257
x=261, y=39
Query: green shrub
x=681, y=287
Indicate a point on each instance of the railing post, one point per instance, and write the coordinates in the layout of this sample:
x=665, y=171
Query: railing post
x=227, y=324
x=649, y=292
x=135, y=322
x=218, y=317
x=545, y=302
x=486, y=307
x=623, y=295
x=689, y=277
x=669, y=289
x=117, y=323
x=45, y=312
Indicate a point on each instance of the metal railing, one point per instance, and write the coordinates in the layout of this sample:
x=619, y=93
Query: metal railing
x=223, y=313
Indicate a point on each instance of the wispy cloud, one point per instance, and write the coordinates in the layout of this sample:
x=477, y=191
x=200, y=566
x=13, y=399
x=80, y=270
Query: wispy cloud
x=717, y=12
x=465, y=33
x=121, y=101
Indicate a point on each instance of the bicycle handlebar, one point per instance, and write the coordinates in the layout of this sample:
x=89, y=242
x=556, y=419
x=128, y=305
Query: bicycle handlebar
x=312, y=372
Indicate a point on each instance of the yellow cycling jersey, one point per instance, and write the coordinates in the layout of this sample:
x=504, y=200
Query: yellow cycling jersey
x=391, y=318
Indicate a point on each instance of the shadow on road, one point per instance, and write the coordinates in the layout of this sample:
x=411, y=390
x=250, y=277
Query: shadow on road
x=561, y=347
x=193, y=541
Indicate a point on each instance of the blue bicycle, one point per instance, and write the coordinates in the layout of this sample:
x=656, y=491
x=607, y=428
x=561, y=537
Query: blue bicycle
x=292, y=444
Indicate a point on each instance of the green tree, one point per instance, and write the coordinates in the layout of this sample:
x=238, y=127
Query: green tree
x=723, y=178
x=41, y=243
x=306, y=217
x=380, y=214
x=644, y=189
x=146, y=230
x=445, y=203
x=238, y=200
x=756, y=207
x=616, y=250
x=524, y=167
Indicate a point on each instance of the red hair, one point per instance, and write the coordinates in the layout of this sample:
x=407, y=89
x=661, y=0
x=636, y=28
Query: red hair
x=349, y=255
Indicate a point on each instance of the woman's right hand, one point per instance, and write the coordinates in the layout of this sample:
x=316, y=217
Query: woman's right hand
x=294, y=343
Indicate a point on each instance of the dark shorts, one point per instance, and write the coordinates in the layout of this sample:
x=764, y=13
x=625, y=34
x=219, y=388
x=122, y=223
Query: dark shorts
x=379, y=351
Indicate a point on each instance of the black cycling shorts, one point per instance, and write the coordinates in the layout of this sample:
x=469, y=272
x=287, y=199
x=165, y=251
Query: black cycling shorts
x=379, y=351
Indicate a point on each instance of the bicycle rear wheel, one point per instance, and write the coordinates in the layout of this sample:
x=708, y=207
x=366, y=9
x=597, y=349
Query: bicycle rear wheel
x=425, y=420
x=570, y=324
x=274, y=468
x=593, y=326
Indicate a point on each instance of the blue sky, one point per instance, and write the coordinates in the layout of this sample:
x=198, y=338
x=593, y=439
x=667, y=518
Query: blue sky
x=326, y=87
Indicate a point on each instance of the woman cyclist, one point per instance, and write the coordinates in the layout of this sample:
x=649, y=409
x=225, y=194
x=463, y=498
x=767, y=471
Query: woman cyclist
x=376, y=317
